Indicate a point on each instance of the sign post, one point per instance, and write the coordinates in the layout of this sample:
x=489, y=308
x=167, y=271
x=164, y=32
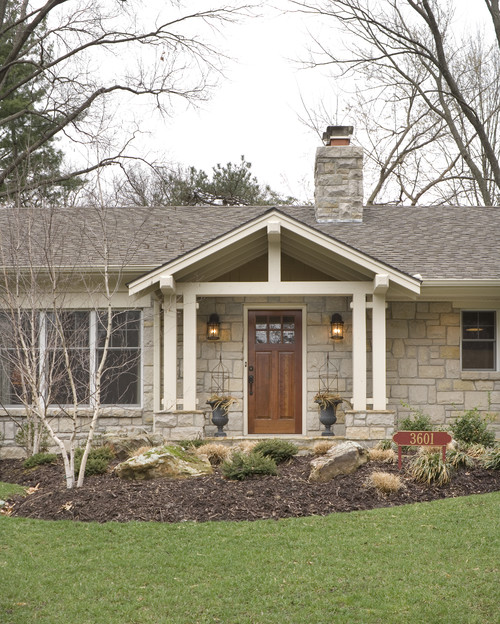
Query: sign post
x=421, y=438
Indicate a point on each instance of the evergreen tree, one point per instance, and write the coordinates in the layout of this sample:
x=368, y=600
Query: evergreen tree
x=229, y=185
x=24, y=121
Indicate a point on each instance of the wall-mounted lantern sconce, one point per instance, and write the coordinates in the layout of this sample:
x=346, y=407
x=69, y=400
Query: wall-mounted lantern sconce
x=337, y=327
x=213, y=327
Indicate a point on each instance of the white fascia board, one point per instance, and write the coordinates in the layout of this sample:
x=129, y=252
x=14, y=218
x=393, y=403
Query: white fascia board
x=269, y=221
x=198, y=254
x=461, y=291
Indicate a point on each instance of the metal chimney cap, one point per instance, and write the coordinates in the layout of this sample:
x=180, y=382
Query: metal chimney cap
x=337, y=132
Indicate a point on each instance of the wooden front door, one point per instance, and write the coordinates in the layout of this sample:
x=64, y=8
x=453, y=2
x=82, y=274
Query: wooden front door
x=274, y=371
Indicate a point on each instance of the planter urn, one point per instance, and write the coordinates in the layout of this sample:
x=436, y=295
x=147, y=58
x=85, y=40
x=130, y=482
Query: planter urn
x=220, y=417
x=328, y=417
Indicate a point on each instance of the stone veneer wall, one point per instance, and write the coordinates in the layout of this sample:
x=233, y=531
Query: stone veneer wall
x=113, y=419
x=423, y=365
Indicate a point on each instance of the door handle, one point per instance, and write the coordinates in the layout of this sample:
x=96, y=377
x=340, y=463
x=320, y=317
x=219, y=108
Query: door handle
x=251, y=382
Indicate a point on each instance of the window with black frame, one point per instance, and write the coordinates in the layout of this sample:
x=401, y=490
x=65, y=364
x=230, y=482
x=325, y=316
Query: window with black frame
x=479, y=340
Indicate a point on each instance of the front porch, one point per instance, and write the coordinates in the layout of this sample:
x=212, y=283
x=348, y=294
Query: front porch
x=272, y=266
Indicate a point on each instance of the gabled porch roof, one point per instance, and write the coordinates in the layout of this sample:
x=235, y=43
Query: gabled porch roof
x=338, y=260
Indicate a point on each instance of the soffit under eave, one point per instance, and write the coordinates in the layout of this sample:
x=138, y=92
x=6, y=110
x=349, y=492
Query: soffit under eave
x=324, y=260
x=462, y=292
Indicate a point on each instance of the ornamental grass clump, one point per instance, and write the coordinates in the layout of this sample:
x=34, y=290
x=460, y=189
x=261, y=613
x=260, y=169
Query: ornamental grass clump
x=471, y=428
x=279, y=450
x=387, y=456
x=459, y=459
x=385, y=482
x=430, y=468
x=473, y=450
x=242, y=466
x=216, y=453
x=491, y=459
x=246, y=446
x=40, y=458
x=323, y=446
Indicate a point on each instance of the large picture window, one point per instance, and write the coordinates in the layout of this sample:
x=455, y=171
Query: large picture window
x=479, y=340
x=59, y=354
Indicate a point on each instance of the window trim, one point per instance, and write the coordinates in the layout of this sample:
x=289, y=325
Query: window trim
x=495, y=340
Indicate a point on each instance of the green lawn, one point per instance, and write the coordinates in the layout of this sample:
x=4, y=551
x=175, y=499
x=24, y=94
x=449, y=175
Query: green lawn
x=9, y=489
x=431, y=562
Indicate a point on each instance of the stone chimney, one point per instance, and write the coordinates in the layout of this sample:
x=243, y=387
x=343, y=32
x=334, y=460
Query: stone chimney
x=338, y=177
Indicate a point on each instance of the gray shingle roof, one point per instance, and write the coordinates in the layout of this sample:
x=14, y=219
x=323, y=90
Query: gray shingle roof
x=436, y=242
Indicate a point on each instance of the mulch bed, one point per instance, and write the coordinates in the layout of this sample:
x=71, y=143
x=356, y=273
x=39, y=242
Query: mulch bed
x=108, y=498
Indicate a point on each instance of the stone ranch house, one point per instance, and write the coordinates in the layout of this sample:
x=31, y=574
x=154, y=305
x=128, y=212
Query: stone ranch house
x=416, y=291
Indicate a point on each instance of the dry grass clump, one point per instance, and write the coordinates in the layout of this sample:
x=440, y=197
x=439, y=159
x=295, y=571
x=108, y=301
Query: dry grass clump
x=475, y=450
x=382, y=455
x=429, y=450
x=140, y=451
x=246, y=446
x=430, y=468
x=216, y=453
x=385, y=482
x=323, y=446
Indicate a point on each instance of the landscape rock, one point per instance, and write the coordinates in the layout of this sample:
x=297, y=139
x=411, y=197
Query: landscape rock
x=123, y=446
x=165, y=461
x=342, y=459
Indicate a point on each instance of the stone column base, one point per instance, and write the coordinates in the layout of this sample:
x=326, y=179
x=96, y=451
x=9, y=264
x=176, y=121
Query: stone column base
x=369, y=425
x=180, y=424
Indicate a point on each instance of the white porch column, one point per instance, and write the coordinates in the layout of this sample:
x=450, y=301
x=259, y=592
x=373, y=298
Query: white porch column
x=274, y=251
x=169, y=352
x=156, y=355
x=378, y=353
x=359, y=350
x=189, y=342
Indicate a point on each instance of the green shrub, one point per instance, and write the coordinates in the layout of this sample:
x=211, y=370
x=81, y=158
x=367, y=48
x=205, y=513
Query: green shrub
x=279, y=450
x=416, y=421
x=459, y=459
x=40, y=458
x=491, y=460
x=385, y=445
x=470, y=428
x=97, y=461
x=430, y=468
x=241, y=466
x=191, y=444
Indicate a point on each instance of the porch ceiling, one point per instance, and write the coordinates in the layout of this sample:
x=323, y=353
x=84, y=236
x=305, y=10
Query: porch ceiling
x=230, y=257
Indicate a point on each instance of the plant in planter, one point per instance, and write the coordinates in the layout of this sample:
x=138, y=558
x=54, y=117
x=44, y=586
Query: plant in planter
x=220, y=404
x=327, y=402
x=327, y=398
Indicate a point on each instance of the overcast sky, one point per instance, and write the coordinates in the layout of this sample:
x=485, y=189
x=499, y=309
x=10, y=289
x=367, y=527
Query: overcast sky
x=255, y=111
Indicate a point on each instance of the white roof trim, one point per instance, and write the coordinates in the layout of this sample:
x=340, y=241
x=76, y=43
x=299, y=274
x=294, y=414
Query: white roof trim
x=269, y=221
